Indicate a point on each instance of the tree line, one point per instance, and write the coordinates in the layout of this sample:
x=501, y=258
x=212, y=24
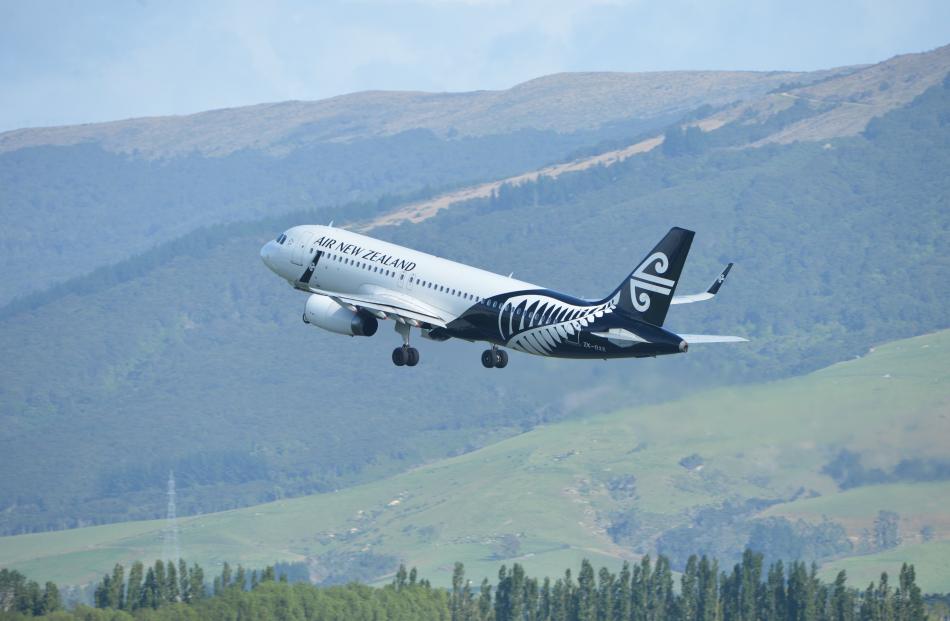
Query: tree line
x=643, y=591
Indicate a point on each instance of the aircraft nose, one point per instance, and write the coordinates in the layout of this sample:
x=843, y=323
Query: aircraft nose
x=267, y=254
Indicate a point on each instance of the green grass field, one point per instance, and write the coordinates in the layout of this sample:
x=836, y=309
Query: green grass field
x=546, y=492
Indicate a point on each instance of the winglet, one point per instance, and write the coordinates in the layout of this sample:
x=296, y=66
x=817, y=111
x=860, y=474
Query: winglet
x=707, y=294
x=714, y=288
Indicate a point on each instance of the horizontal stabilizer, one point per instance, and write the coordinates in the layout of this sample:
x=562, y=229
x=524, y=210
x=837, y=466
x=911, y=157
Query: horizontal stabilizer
x=708, y=294
x=711, y=338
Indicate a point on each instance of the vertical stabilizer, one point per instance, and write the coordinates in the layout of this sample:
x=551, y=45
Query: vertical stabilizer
x=646, y=294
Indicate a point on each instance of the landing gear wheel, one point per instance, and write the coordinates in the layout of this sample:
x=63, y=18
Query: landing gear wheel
x=412, y=357
x=400, y=356
x=501, y=359
x=488, y=358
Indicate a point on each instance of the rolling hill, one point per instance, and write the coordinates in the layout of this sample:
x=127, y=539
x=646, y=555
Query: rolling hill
x=192, y=356
x=565, y=103
x=81, y=197
x=608, y=487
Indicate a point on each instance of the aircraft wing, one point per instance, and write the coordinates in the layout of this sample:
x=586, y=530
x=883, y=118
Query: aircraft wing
x=706, y=295
x=385, y=303
x=711, y=338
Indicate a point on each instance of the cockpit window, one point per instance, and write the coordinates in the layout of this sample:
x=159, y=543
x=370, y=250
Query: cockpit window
x=281, y=239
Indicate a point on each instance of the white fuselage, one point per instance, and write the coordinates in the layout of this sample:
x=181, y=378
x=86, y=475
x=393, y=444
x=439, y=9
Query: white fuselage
x=356, y=264
x=355, y=280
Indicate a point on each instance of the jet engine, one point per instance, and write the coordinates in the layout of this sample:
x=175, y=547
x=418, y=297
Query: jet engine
x=325, y=313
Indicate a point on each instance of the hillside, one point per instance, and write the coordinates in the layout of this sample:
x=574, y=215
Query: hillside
x=610, y=487
x=564, y=103
x=193, y=357
x=78, y=198
x=82, y=197
x=840, y=104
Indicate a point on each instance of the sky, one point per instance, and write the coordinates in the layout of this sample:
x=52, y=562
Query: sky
x=67, y=62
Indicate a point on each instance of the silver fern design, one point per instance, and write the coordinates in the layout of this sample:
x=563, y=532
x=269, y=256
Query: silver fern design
x=643, y=282
x=537, y=324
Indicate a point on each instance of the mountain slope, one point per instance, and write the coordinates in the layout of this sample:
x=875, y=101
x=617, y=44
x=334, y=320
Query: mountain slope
x=195, y=358
x=607, y=488
x=77, y=198
x=565, y=103
x=840, y=104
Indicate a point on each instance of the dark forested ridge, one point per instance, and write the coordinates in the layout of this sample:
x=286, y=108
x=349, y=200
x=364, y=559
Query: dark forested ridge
x=643, y=591
x=71, y=209
x=838, y=246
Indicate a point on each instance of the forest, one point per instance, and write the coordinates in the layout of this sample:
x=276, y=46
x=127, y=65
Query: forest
x=642, y=591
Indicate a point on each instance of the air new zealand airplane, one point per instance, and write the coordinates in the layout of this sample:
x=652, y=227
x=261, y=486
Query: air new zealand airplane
x=354, y=281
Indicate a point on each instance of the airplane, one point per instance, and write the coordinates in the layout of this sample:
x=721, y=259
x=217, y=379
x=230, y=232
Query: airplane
x=354, y=281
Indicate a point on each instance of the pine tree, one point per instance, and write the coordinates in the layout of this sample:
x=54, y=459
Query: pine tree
x=774, y=606
x=544, y=600
x=413, y=576
x=622, y=594
x=869, y=611
x=586, y=597
x=184, y=582
x=885, y=605
x=749, y=586
x=708, y=605
x=400, y=580
x=149, y=597
x=34, y=598
x=172, y=593
x=516, y=592
x=240, y=578
x=469, y=610
x=225, y=576
x=455, y=599
x=485, y=611
x=909, y=605
x=689, y=590
x=268, y=575
x=842, y=600
x=531, y=600
x=605, y=595
x=797, y=595
x=133, y=593
x=102, y=593
x=641, y=590
x=117, y=588
x=662, y=589
x=51, y=598
x=196, y=583
x=502, y=595
x=161, y=592
x=559, y=608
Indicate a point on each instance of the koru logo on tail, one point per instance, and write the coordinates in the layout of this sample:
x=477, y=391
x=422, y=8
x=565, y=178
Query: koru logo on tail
x=642, y=282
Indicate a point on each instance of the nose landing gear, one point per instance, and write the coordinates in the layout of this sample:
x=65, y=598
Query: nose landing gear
x=405, y=355
x=494, y=358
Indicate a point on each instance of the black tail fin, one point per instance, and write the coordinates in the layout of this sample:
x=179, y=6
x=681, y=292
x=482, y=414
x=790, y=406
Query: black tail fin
x=647, y=292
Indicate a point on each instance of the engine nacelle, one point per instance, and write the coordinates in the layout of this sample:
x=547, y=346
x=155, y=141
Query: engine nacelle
x=324, y=313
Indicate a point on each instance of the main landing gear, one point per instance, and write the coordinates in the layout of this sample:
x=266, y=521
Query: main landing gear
x=405, y=355
x=494, y=358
